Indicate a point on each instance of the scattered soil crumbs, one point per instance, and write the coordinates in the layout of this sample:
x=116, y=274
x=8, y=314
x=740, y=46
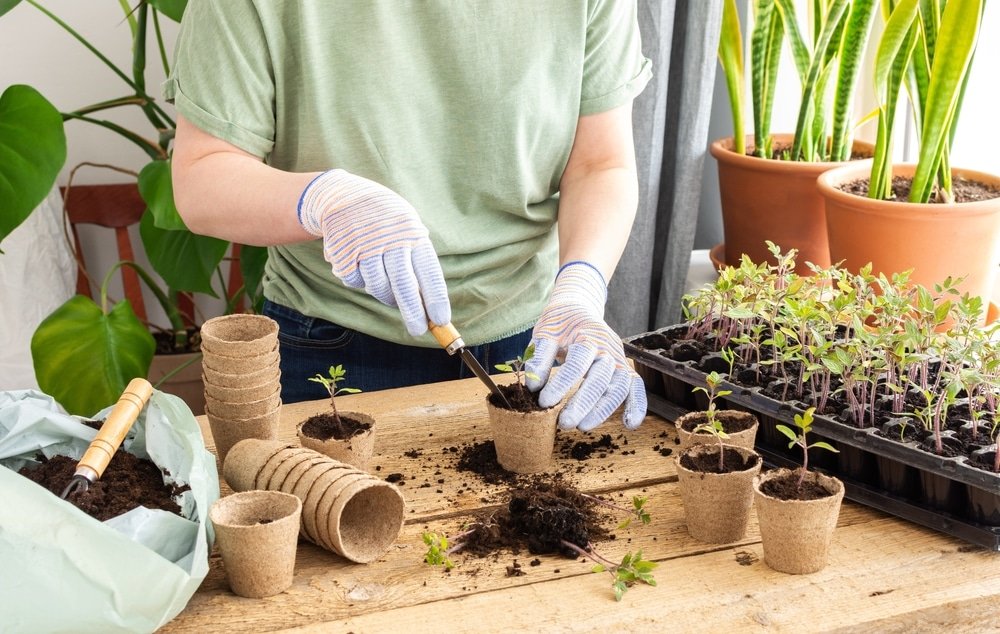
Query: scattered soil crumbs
x=326, y=426
x=514, y=570
x=128, y=482
x=395, y=478
x=745, y=558
x=581, y=450
x=539, y=515
x=481, y=459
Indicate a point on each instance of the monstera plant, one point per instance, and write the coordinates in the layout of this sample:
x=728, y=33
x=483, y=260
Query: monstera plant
x=107, y=337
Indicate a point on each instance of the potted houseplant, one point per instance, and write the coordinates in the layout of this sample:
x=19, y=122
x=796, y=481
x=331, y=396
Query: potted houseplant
x=932, y=218
x=767, y=181
x=345, y=436
x=80, y=332
x=903, y=380
x=715, y=482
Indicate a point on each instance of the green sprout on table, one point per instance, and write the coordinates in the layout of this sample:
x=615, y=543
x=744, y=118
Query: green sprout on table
x=337, y=373
x=437, y=550
x=804, y=423
x=633, y=569
x=517, y=367
x=712, y=424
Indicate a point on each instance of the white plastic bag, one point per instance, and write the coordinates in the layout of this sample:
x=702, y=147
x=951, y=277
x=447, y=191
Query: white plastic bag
x=63, y=570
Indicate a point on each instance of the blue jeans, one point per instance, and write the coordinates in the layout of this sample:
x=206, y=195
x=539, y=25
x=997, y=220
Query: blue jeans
x=309, y=346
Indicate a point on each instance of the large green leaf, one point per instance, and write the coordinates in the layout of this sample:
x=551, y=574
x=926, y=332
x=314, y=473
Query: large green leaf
x=7, y=5
x=84, y=358
x=32, y=151
x=252, y=262
x=731, y=58
x=173, y=9
x=186, y=261
x=157, y=190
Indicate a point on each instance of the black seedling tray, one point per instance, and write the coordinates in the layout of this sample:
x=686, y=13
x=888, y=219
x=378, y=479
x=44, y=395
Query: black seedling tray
x=944, y=494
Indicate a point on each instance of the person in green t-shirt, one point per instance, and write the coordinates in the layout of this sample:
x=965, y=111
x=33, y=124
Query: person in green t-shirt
x=422, y=162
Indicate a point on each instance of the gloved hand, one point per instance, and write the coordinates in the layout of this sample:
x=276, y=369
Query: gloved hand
x=572, y=328
x=375, y=240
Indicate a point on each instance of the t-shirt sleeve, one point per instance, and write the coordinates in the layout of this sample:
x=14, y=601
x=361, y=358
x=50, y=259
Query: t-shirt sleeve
x=614, y=68
x=222, y=80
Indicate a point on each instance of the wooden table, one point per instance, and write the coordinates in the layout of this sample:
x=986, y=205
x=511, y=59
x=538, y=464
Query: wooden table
x=884, y=574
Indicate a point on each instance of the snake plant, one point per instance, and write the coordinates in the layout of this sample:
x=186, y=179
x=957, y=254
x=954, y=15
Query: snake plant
x=928, y=45
x=839, y=31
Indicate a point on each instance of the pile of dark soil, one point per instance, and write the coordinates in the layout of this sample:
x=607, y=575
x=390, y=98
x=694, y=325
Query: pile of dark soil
x=127, y=483
x=540, y=514
x=326, y=426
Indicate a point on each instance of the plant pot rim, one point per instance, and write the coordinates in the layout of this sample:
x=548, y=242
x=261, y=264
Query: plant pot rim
x=828, y=181
x=820, y=478
x=712, y=448
x=722, y=150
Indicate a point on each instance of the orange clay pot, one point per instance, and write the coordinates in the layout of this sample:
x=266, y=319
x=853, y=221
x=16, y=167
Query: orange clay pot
x=935, y=240
x=764, y=199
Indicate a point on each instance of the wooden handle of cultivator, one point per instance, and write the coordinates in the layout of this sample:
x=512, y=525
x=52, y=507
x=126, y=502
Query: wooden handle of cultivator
x=447, y=335
x=113, y=431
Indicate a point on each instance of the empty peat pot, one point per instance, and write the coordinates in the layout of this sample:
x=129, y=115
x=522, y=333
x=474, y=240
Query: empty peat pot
x=257, y=535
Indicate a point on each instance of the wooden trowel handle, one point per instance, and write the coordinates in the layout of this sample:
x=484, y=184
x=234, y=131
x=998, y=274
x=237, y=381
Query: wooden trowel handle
x=113, y=431
x=447, y=335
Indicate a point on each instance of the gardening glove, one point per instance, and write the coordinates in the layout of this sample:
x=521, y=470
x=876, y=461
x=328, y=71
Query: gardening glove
x=572, y=330
x=374, y=240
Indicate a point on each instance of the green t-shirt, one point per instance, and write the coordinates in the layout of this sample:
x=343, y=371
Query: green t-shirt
x=466, y=108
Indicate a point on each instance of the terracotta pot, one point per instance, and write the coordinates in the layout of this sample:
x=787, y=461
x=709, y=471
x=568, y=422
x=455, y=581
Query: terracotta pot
x=745, y=438
x=716, y=505
x=257, y=535
x=764, y=199
x=356, y=450
x=935, y=240
x=187, y=383
x=524, y=440
x=796, y=534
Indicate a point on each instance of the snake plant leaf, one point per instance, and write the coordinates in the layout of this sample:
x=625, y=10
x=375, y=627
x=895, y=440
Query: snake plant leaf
x=731, y=58
x=760, y=45
x=958, y=33
x=186, y=261
x=32, y=151
x=173, y=9
x=857, y=28
x=7, y=5
x=84, y=358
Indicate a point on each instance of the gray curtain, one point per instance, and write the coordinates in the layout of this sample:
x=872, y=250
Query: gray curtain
x=670, y=121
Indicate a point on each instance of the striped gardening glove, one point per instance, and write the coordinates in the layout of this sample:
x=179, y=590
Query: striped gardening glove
x=572, y=330
x=375, y=240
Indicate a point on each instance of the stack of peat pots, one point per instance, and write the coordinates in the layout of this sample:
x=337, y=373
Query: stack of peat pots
x=344, y=509
x=242, y=379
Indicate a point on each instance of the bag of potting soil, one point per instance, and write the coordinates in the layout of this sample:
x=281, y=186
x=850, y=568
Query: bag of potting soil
x=63, y=570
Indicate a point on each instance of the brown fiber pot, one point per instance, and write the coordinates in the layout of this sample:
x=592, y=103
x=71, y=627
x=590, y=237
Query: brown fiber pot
x=356, y=450
x=239, y=335
x=524, y=440
x=935, y=240
x=764, y=199
x=716, y=505
x=796, y=534
x=227, y=432
x=745, y=438
x=257, y=533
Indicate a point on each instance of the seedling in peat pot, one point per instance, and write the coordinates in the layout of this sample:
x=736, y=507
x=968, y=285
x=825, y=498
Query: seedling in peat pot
x=517, y=367
x=712, y=424
x=804, y=422
x=337, y=374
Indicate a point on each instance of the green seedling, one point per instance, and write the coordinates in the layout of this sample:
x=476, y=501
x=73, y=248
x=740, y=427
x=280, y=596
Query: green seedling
x=632, y=569
x=437, y=550
x=804, y=422
x=637, y=512
x=712, y=424
x=517, y=367
x=337, y=373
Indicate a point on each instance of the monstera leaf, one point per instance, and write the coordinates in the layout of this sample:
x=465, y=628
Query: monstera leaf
x=32, y=151
x=84, y=358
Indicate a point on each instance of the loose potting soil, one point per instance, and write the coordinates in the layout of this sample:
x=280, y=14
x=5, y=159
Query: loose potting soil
x=786, y=488
x=709, y=463
x=731, y=423
x=326, y=426
x=963, y=190
x=128, y=482
x=521, y=399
